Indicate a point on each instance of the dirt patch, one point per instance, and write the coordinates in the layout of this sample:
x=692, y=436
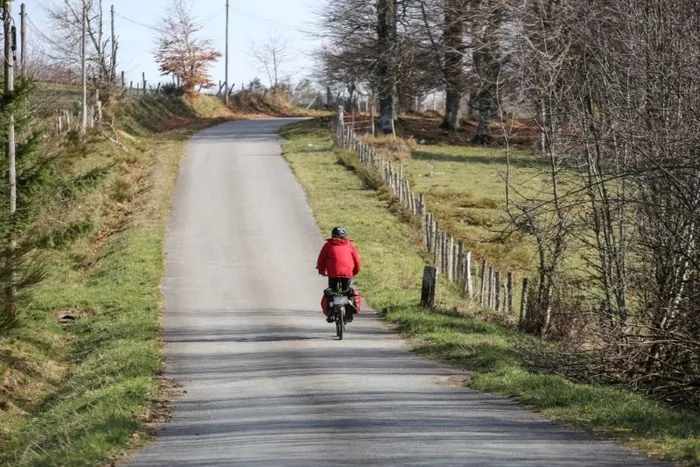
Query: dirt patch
x=453, y=381
x=68, y=316
x=426, y=130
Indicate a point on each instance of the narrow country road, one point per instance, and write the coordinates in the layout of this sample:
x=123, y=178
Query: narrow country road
x=267, y=383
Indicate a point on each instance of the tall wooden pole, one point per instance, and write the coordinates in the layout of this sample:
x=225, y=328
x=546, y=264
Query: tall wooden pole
x=114, y=49
x=23, y=35
x=101, y=51
x=83, y=124
x=226, y=65
x=9, y=90
x=10, y=148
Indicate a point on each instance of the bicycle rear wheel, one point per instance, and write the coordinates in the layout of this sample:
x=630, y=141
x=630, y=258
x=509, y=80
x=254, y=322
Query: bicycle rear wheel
x=339, y=323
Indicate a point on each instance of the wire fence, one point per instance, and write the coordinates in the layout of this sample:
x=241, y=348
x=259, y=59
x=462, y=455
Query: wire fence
x=449, y=257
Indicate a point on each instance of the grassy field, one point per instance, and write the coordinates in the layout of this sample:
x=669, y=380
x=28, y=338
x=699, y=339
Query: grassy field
x=78, y=376
x=390, y=280
x=465, y=190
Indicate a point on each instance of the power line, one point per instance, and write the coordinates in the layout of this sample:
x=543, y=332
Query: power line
x=198, y=23
x=211, y=17
x=38, y=30
x=268, y=20
x=152, y=28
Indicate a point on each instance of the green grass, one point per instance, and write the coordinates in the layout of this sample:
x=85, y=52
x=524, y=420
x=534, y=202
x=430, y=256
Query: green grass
x=465, y=190
x=80, y=395
x=391, y=279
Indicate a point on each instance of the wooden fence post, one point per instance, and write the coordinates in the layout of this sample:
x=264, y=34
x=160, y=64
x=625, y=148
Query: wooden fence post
x=482, y=292
x=456, y=261
x=459, y=277
x=451, y=259
x=468, y=274
x=497, y=289
x=339, y=124
x=489, y=290
x=509, y=293
x=427, y=298
x=523, y=307
x=445, y=257
x=436, y=244
x=428, y=231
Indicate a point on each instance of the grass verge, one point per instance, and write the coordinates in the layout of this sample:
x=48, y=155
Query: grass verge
x=390, y=280
x=79, y=375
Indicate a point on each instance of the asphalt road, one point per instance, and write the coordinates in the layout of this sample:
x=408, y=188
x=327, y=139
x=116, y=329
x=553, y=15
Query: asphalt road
x=266, y=381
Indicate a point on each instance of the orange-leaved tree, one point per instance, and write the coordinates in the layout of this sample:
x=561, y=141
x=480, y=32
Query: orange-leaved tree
x=181, y=53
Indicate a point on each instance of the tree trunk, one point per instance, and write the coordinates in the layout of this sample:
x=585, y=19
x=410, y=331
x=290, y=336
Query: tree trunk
x=487, y=65
x=483, y=131
x=452, y=110
x=386, y=32
x=454, y=62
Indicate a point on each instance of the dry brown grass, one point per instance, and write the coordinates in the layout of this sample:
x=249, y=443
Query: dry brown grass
x=390, y=148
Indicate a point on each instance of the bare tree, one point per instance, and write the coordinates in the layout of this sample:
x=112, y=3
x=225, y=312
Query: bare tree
x=181, y=52
x=454, y=60
x=271, y=56
x=379, y=47
x=387, y=50
x=613, y=88
x=63, y=44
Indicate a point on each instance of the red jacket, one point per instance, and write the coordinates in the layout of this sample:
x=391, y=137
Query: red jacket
x=338, y=258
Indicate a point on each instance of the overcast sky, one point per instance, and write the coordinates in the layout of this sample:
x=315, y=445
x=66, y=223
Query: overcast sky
x=251, y=21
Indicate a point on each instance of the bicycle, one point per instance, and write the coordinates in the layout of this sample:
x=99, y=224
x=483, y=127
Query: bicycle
x=338, y=303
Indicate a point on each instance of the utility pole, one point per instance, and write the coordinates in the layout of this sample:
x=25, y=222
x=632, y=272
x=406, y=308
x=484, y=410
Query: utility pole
x=10, y=49
x=83, y=124
x=9, y=90
x=226, y=77
x=23, y=35
x=101, y=49
x=114, y=49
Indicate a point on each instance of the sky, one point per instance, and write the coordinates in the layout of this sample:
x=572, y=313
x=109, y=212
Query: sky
x=250, y=22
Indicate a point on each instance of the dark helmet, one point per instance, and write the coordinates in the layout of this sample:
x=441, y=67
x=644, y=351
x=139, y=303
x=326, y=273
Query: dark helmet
x=338, y=232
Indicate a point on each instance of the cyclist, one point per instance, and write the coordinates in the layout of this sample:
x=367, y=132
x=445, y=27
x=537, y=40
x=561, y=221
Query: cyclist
x=340, y=261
